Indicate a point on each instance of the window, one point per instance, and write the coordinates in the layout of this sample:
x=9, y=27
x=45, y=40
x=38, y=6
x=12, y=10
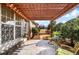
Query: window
x=7, y=14
x=7, y=29
x=7, y=32
x=18, y=19
x=18, y=32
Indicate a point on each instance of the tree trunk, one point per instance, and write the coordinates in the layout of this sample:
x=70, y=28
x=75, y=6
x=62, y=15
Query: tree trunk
x=51, y=28
x=72, y=43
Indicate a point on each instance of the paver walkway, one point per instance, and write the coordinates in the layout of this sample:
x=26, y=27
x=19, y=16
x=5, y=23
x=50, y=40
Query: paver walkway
x=36, y=47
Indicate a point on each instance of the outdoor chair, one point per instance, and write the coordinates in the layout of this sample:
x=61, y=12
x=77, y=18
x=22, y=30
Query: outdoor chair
x=68, y=49
x=77, y=52
x=72, y=49
x=59, y=42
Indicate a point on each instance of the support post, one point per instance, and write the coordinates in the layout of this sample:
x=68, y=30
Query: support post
x=14, y=24
x=51, y=28
x=0, y=24
x=29, y=31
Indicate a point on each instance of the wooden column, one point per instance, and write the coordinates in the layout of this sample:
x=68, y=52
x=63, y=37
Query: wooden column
x=29, y=31
x=0, y=24
x=51, y=27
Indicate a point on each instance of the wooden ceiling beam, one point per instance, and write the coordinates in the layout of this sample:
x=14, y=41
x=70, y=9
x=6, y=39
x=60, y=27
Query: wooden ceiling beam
x=12, y=6
x=68, y=7
x=41, y=10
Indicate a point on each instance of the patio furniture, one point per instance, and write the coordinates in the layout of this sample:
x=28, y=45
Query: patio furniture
x=73, y=50
x=61, y=51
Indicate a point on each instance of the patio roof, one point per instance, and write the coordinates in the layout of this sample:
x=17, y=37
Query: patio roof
x=43, y=11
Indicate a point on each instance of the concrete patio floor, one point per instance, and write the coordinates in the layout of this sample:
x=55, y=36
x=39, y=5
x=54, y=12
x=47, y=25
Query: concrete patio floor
x=36, y=47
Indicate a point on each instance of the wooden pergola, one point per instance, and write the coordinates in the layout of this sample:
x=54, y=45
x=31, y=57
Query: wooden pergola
x=41, y=11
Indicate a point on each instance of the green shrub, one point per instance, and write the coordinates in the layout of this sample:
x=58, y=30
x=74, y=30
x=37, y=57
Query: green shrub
x=35, y=30
x=57, y=33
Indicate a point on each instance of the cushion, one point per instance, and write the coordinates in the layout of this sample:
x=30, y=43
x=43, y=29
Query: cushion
x=61, y=51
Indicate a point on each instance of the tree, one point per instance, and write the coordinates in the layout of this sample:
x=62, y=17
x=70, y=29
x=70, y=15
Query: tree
x=58, y=27
x=52, y=25
x=71, y=30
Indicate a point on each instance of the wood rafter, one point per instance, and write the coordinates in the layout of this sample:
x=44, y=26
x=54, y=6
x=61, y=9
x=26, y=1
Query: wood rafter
x=42, y=11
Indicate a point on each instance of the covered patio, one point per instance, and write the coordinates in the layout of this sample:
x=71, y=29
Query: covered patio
x=41, y=11
x=26, y=14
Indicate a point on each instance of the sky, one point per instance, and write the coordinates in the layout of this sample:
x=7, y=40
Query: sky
x=43, y=22
x=72, y=14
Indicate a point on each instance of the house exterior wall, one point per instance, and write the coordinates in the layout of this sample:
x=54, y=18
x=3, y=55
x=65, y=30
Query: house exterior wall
x=10, y=43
